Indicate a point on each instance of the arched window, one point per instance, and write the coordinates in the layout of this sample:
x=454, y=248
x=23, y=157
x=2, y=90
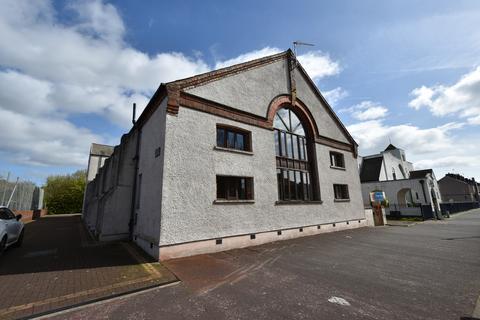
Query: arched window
x=293, y=156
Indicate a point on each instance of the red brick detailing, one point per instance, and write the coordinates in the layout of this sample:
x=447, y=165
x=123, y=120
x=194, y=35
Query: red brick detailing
x=193, y=102
x=29, y=215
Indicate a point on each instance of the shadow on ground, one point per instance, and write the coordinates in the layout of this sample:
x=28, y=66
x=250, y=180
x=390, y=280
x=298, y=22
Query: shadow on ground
x=59, y=265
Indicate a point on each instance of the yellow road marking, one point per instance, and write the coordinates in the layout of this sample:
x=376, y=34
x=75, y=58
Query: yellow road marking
x=141, y=260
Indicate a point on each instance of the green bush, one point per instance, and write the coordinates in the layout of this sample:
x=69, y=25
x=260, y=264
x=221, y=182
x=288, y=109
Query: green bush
x=64, y=193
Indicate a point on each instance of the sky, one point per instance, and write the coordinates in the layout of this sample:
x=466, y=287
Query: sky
x=401, y=71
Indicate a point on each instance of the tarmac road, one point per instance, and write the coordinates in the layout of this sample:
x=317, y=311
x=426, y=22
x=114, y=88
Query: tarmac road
x=427, y=271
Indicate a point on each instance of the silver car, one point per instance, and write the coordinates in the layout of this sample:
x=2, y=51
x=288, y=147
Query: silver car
x=11, y=229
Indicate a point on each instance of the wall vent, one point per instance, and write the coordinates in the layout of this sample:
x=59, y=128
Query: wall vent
x=252, y=236
x=333, y=224
x=301, y=229
x=279, y=233
x=318, y=227
x=218, y=241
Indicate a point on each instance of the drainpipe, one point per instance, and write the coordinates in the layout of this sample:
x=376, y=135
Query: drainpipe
x=134, y=189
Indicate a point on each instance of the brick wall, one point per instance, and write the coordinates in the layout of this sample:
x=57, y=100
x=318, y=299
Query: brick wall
x=29, y=215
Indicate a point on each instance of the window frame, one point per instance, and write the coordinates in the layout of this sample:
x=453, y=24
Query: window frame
x=343, y=192
x=247, y=138
x=333, y=160
x=230, y=181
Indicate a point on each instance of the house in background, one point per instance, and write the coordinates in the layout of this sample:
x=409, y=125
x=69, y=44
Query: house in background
x=459, y=193
x=235, y=157
x=98, y=154
x=409, y=192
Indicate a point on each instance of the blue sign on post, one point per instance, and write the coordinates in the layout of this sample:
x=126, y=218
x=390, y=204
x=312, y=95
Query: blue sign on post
x=378, y=196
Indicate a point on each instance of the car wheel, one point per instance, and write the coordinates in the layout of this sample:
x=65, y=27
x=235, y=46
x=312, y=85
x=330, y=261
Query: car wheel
x=20, y=240
x=3, y=245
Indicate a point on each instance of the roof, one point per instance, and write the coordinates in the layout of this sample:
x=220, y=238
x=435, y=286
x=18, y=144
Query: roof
x=390, y=147
x=461, y=178
x=171, y=89
x=417, y=174
x=101, y=150
x=371, y=169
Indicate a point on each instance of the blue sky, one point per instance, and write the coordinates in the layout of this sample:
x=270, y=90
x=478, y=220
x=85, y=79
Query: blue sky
x=400, y=70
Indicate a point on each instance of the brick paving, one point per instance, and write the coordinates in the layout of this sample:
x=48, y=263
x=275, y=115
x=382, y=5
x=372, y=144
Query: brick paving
x=60, y=266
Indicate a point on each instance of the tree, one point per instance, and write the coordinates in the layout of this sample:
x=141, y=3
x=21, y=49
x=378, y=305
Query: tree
x=64, y=193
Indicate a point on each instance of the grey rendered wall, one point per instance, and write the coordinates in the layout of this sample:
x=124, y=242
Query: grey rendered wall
x=148, y=216
x=253, y=90
x=118, y=201
x=256, y=87
x=189, y=184
x=327, y=127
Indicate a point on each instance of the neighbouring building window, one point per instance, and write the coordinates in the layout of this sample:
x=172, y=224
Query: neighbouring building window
x=293, y=166
x=337, y=160
x=234, y=188
x=394, y=174
x=233, y=138
x=341, y=192
x=139, y=191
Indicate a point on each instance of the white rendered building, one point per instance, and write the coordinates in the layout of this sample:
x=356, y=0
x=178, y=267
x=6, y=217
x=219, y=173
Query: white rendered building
x=235, y=157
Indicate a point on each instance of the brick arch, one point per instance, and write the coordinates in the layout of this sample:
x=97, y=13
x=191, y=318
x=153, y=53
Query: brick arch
x=299, y=108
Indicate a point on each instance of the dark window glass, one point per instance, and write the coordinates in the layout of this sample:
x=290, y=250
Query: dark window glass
x=221, y=137
x=337, y=160
x=293, y=189
x=233, y=138
x=293, y=169
x=299, y=185
x=277, y=143
x=240, y=141
x=234, y=188
x=230, y=139
x=341, y=191
x=295, y=147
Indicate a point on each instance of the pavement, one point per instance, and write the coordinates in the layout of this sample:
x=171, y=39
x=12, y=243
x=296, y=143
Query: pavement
x=59, y=266
x=427, y=271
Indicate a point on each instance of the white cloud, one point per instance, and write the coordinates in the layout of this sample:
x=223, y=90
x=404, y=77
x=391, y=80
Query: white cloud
x=372, y=136
x=52, y=70
x=319, y=65
x=367, y=110
x=316, y=63
x=252, y=55
x=335, y=95
x=43, y=140
x=461, y=98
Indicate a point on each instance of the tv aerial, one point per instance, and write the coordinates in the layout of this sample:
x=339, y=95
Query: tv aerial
x=300, y=43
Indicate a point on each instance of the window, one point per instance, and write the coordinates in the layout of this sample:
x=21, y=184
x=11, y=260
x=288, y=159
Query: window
x=6, y=214
x=293, y=164
x=234, y=188
x=233, y=138
x=394, y=174
x=337, y=160
x=341, y=192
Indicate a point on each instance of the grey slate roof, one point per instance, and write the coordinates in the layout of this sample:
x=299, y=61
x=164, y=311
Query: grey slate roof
x=101, y=150
x=371, y=169
x=390, y=147
x=417, y=174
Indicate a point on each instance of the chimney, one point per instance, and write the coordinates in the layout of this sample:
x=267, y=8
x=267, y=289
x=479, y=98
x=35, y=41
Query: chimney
x=133, y=113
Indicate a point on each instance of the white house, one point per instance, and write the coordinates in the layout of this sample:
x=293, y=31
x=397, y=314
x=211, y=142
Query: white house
x=409, y=192
x=235, y=157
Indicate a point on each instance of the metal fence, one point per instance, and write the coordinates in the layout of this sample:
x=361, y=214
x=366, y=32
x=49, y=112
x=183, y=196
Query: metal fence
x=20, y=195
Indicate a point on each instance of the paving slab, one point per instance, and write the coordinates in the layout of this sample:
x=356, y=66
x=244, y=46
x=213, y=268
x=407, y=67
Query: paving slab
x=59, y=266
x=429, y=271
